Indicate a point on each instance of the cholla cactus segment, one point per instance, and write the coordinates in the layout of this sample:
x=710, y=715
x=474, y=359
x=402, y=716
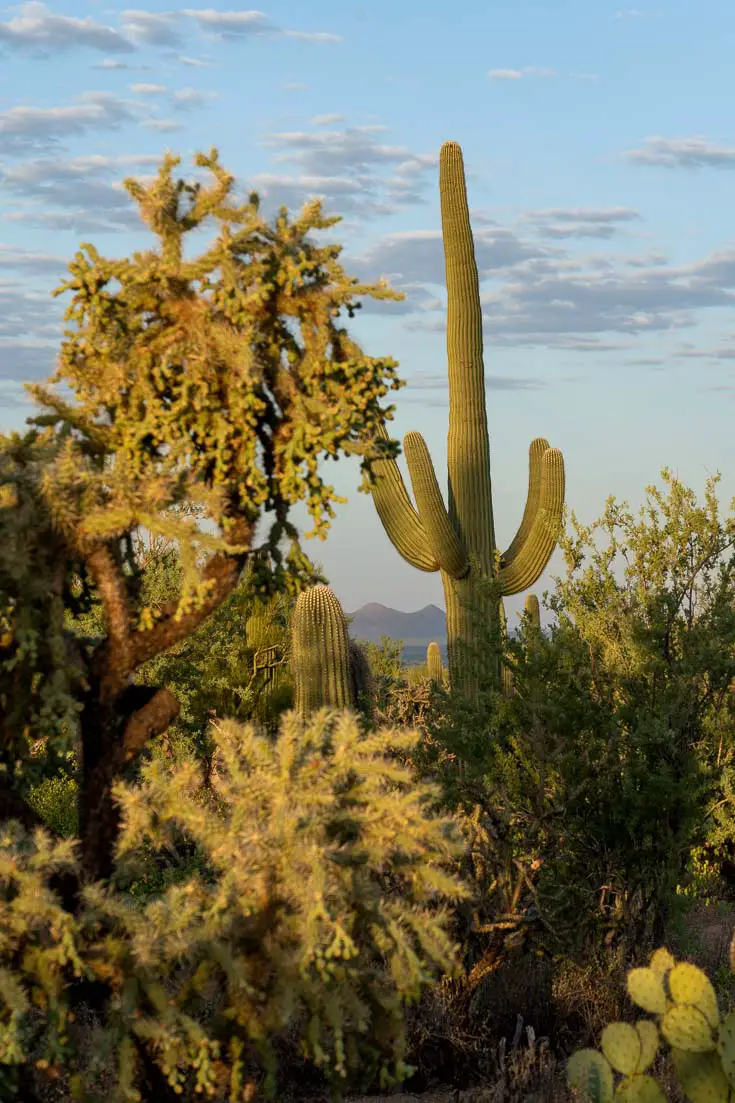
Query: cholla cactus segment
x=458, y=538
x=320, y=652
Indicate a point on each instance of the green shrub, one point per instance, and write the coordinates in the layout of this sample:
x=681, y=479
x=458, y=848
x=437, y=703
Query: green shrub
x=55, y=801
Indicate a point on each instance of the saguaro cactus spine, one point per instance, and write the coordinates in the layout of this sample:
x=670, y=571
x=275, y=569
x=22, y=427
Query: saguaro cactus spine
x=460, y=540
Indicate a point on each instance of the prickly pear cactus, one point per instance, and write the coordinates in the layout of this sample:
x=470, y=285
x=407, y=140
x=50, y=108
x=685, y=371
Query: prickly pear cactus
x=702, y=1044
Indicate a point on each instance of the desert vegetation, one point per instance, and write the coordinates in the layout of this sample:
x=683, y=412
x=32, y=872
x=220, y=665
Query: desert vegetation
x=246, y=856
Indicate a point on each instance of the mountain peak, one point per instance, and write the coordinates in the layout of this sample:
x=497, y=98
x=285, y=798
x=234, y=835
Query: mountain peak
x=415, y=629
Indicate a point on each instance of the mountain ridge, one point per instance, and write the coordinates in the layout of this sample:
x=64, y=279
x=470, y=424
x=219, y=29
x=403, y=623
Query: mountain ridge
x=416, y=629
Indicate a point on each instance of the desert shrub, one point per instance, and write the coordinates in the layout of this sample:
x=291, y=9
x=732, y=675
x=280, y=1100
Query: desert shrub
x=289, y=927
x=589, y=785
x=384, y=658
x=55, y=801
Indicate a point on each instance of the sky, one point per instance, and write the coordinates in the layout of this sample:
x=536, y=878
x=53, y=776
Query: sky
x=599, y=146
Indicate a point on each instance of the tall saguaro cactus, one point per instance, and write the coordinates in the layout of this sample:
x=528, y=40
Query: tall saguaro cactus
x=459, y=540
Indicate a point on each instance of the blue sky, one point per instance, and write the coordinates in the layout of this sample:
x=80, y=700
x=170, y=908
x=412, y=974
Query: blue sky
x=599, y=146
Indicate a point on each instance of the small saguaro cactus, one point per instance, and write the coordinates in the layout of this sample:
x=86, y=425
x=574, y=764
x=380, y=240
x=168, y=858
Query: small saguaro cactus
x=434, y=663
x=459, y=539
x=533, y=612
x=328, y=668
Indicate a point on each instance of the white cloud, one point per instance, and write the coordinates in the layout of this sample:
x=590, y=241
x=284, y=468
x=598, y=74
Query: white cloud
x=518, y=74
x=579, y=222
x=194, y=62
x=163, y=126
x=38, y=30
x=26, y=128
x=505, y=74
x=187, y=98
x=42, y=33
x=534, y=295
x=147, y=89
x=239, y=24
x=326, y=120
x=695, y=152
x=329, y=158
x=81, y=194
x=312, y=36
x=230, y=24
x=110, y=64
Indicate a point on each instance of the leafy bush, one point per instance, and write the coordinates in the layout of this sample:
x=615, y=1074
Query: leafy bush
x=55, y=801
x=322, y=909
x=593, y=781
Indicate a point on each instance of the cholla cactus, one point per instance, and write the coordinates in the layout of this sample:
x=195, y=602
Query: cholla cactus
x=702, y=1044
x=459, y=539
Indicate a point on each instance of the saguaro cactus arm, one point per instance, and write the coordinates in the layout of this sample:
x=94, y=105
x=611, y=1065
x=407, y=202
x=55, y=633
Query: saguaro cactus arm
x=535, y=456
x=446, y=545
x=398, y=516
x=532, y=547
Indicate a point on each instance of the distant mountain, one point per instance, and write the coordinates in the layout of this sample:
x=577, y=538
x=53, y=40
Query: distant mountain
x=416, y=630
